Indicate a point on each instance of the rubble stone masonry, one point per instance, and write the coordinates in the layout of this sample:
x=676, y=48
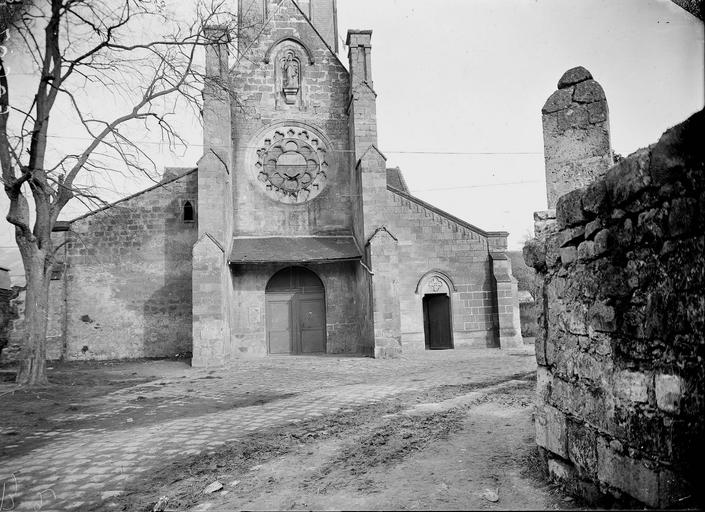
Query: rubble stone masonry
x=621, y=327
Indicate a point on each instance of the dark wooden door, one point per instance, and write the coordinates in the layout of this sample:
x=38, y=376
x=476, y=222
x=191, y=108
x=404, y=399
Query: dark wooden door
x=437, y=327
x=296, y=313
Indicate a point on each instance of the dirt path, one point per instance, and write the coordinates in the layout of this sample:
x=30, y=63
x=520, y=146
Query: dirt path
x=454, y=453
x=446, y=430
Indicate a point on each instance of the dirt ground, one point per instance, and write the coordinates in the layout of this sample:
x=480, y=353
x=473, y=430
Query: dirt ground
x=447, y=447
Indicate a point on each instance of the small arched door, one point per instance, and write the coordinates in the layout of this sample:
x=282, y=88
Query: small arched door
x=436, y=321
x=296, y=312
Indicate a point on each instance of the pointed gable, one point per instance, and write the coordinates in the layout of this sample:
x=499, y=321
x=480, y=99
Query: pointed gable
x=286, y=20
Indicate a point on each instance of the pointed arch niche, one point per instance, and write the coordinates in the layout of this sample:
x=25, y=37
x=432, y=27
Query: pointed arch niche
x=289, y=58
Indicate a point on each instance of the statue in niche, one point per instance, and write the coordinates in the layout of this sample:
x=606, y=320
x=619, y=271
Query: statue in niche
x=291, y=72
x=290, y=77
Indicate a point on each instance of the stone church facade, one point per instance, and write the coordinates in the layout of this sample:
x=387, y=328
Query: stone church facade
x=291, y=236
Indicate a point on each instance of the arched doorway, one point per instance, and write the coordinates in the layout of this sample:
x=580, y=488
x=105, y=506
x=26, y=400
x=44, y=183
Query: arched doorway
x=437, y=322
x=296, y=312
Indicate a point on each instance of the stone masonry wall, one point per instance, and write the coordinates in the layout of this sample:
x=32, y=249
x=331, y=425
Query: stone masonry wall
x=321, y=105
x=128, y=276
x=621, y=327
x=429, y=242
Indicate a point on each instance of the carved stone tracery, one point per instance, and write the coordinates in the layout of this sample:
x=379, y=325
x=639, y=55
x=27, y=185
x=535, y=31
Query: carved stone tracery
x=433, y=283
x=291, y=165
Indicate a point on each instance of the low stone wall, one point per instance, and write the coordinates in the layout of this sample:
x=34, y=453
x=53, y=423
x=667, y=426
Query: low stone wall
x=621, y=327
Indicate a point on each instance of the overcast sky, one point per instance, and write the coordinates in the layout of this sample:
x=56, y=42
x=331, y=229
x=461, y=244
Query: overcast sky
x=471, y=76
x=461, y=84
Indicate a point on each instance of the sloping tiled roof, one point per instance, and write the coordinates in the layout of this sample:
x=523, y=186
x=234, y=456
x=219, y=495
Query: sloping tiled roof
x=279, y=249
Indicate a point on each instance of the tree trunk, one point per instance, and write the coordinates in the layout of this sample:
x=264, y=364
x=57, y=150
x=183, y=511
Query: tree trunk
x=32, y=371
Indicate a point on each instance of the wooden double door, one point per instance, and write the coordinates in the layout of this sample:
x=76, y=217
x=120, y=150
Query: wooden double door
x=295, y=313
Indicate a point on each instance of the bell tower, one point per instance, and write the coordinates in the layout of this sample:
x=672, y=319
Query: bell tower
x=323, y=14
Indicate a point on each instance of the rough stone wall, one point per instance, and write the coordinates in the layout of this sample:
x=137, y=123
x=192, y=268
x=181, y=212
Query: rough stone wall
x=427, y=242
x=621, y=324
x=576, y=134
x=128, y=276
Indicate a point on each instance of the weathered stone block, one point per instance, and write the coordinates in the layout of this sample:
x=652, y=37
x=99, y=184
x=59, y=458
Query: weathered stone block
x=559, y=100
x=595, y=198
x=568, y=255
x=561, y=470
x=549, y=214
x=552, y=250
x=586, y=250
x=592, y=227
x=575, y=117
x=632, y=386
x=540, y=346
x=668, y=390
x=629, y=475
x=574, y=76
x=588, y=91
x=598, y=112
x=570, y=236
x=612, y=279
x=629, y=177
x=582, y=447
x=602, y=317
x=534, y=253
x=552, y=430
x=569, y=209
x=543, y=384
x=604, y=242
x=589, y=369
x=574, y=320
x=651, y=225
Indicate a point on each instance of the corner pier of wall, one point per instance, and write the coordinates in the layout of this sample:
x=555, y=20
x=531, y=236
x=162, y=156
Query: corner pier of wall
x=621, y=323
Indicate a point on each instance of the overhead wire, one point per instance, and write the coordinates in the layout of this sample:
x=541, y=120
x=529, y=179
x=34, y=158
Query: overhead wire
x=333, y=150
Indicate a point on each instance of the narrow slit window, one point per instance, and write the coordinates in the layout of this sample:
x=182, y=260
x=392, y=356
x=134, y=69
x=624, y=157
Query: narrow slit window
x=189, y=213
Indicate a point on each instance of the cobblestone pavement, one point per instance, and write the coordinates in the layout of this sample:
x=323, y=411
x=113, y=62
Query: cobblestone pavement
x=74, y=468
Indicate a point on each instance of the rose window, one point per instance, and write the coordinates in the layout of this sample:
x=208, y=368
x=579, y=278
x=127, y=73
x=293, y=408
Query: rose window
x=291, y=165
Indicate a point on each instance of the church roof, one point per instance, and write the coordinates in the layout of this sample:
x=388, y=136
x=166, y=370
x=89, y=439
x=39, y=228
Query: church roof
x=438, y=211
x=300, y=249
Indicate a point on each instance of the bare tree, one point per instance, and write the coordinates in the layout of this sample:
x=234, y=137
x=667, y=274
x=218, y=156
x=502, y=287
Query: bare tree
x=76, y=45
